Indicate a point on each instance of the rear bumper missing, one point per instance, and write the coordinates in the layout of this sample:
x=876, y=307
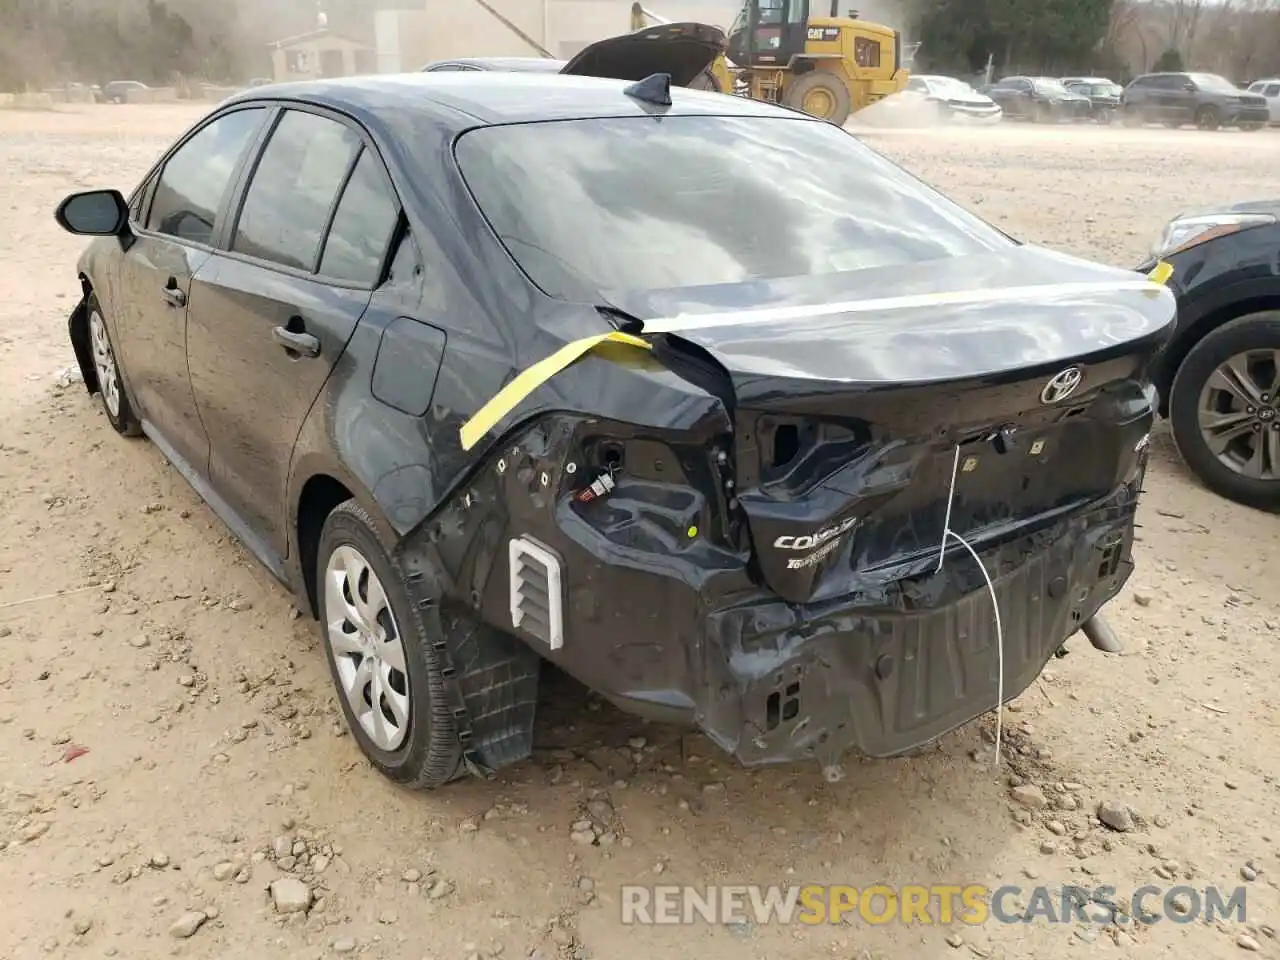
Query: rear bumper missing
x=675, y=629
x=882, y=682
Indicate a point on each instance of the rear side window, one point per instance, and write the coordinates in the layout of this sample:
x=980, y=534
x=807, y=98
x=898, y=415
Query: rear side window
x=293, y=190
x=588, y=206
x=362, y=226
x=195, y=179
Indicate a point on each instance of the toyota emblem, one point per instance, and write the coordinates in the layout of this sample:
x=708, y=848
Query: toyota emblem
x=1062, y=385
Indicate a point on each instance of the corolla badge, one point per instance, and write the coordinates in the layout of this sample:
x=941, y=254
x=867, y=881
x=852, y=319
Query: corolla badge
x=1062, y=385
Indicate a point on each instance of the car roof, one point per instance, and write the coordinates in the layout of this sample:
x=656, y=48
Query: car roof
x=462, y=99
x=515, y=64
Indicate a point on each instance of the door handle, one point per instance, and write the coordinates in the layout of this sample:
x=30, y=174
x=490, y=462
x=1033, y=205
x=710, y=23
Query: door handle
x=174, y=296
x=302, y=344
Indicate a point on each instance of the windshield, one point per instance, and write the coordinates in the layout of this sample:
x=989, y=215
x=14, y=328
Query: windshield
x=1050, y=86
x=1211, y=81
x=627, y=204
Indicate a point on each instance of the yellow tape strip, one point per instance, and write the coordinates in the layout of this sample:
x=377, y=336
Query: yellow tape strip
x=1161, y=273
x=510, y=396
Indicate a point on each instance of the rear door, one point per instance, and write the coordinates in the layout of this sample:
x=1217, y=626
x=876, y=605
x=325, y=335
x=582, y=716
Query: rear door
x=176, y=216
x=272, y=312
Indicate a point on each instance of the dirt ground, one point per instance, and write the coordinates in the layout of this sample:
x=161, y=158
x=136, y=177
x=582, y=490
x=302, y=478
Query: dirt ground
x=133, y=627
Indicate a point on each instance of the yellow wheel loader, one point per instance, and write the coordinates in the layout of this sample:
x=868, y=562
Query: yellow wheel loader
x=828, y=66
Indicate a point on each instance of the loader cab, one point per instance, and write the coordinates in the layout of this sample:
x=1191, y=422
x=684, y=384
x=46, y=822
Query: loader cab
x=769, y=32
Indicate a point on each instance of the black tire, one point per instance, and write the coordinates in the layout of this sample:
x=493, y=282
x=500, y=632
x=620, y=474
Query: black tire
x=1249, y=127
x=831, y=85
x=107, y=368
x=430, y=754
x=1131, y=116
x=1256, y=331
x=1207, y=118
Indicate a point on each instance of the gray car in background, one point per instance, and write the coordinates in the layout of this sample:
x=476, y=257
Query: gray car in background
x=1204, y=99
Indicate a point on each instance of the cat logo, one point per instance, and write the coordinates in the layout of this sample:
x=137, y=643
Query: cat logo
x=815, y=33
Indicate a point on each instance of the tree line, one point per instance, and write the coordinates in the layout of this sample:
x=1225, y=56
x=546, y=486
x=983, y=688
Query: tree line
x=1117, y=38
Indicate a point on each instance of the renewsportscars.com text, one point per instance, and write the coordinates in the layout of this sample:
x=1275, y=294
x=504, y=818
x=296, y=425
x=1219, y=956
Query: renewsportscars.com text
x=926, y=904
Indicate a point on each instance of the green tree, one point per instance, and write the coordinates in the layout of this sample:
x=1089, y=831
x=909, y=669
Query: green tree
x=960, y=34
x=1169, y=62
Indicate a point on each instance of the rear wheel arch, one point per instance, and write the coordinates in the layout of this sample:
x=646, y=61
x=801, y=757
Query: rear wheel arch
x=322, y=492
x=78, y=330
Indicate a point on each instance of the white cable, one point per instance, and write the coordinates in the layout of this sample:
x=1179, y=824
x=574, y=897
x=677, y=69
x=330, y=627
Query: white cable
x=947, y=532
x=951, y=495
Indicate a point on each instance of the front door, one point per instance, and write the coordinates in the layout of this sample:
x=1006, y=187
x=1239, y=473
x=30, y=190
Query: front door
x=172, y=244
x=270, y=316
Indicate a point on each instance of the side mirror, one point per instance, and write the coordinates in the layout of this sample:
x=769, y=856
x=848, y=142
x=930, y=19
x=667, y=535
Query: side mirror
x=94, y=213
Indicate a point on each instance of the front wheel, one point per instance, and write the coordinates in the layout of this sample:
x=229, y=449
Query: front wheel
x=390, y=677
x=1207, y=118
x=1225, y=411
x=820, y=94
x=115, y=402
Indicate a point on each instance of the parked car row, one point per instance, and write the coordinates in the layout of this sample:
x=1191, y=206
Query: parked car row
x=1204, y=100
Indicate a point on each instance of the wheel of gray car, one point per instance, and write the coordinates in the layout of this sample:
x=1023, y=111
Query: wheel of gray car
x=1207, y=118
x=1249, y=127
x=1225, y=410
x=115, y=402
x=389, y=676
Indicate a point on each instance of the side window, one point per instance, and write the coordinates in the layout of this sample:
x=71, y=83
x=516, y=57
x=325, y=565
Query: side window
x=298, y=177
x=444, y=66
x=363, y=225
x=1273, y=90
x=195, y=179
x=866, y=52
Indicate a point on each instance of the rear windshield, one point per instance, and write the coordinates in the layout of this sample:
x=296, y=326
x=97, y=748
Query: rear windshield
x=636, y=203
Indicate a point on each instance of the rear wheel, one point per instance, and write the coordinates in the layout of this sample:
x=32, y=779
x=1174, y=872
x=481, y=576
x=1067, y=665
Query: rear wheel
x=1225, y=410
x=390, y=678
x=820, y=94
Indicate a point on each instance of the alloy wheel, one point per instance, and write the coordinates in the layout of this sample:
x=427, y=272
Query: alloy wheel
x=1239, y=414
x=368, y=648
x=104, y=362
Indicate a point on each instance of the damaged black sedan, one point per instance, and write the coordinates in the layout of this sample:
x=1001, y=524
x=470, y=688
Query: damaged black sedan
x=695, y=397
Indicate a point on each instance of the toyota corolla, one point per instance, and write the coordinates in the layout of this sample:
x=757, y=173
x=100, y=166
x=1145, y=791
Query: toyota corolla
x=698, y=398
